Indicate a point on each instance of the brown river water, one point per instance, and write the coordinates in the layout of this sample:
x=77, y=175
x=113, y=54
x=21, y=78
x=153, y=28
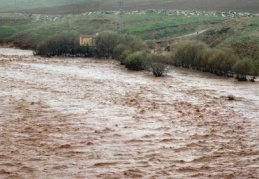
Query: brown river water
x=86, y=118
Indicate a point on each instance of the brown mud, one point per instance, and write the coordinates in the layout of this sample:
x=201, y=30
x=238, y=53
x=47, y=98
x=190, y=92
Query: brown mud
x=84, y=118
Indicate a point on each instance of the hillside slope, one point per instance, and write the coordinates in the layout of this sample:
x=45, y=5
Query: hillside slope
x=18, y=5
x=239, y=32
x=34, y=28
x=79, y=6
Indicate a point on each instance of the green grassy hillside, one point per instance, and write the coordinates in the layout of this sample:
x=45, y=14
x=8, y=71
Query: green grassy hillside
x=18, y=5
x=34, y=28
x=241, y=33
x=80, y=6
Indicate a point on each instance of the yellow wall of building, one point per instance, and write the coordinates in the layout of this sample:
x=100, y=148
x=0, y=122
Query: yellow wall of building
x=86, y=41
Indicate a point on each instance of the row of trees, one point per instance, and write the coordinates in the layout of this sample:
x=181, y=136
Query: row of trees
x=135, y=54
x=129, y=51
x=109, y=44
x=64, y=44
x=220, y=61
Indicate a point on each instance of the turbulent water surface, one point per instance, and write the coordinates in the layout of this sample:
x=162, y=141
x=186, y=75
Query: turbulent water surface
x=86, y=118
x=17, y=52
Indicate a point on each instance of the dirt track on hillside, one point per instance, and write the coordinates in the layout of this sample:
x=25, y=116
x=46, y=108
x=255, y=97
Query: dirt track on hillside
x=84, y=118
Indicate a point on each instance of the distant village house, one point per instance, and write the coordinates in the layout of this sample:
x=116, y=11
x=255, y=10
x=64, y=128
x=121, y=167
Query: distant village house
x=87, y=40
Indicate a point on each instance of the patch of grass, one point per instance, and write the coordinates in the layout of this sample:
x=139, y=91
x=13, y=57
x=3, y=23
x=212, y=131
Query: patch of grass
x=38, y=27
x=161, y=26
x=6, y=32
x=7, y=5
x=148, y=22
x=35, y=28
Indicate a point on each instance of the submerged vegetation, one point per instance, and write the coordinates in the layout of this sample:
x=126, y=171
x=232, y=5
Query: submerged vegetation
x=58, y=45
x=136, y=55
x=220, y=61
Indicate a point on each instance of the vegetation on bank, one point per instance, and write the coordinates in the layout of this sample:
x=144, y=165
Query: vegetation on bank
x=194, y=55
x=225, y=46
x=220, y=61
x=28, y=30
x=57, y=46
x=136, y=55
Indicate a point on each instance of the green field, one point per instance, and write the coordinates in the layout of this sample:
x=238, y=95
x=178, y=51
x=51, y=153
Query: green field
x=27, y=30
x=17, y=5
x=80, y=6
x=146, y=26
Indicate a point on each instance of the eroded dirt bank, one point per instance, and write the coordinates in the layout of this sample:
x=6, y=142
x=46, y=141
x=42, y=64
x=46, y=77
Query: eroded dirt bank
x=83, y=118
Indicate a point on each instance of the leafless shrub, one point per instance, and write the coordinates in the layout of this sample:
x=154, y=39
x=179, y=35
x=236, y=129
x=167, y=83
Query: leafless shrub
x=156, y=64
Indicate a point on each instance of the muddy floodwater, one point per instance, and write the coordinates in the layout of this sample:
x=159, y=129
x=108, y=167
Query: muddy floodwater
x=86, y=118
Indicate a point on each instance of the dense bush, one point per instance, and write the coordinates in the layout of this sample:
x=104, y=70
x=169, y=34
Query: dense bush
x=242, y=68
x=110, y=44
x=156, y=64
x=255, y=69
x=128, y=44
x=62, y=44
x=136, y=60
x=186, y=53
x=134, y=44
x=197, y=55
x=106, y=42
x=118, y=50
x=203, y=56
x=122, y=58
x=86, y=50
x=221, y=61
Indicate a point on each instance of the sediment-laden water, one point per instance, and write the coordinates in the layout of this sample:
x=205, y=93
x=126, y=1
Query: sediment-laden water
x=86, y=118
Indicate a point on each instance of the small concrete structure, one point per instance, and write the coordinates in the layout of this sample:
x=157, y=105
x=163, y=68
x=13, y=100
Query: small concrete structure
x=87, y=40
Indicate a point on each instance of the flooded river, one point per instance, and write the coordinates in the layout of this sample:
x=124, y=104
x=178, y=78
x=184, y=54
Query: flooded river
x=85, y=118
x=17, y=52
